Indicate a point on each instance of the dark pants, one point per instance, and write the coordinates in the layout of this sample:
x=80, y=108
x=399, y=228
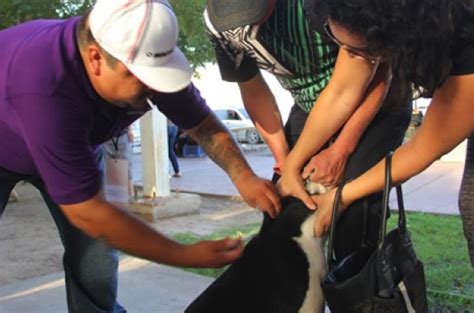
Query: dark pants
x=90, y=265
x=360, y=223
x=466, y=198
x=172, y=134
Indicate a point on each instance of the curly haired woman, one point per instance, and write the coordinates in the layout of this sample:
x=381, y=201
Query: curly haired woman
x=429, y=43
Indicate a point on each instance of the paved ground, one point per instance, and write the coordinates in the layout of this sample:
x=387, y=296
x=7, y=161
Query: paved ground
x=435, y=190
x=30, y=246
x=143, y=287
x=31, y=278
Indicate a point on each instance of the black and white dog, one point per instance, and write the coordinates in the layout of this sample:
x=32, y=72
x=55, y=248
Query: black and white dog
x=279, y=272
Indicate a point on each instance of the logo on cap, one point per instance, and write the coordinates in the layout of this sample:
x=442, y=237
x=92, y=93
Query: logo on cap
x=151, y=54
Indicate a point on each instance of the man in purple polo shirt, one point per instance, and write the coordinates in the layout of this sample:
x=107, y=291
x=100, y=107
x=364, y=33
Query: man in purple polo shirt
x=68, y=86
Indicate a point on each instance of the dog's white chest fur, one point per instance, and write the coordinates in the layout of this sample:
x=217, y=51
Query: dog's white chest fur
x=313, y=248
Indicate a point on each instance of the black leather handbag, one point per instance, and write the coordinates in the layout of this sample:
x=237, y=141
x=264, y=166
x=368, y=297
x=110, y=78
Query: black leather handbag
x=385, y=278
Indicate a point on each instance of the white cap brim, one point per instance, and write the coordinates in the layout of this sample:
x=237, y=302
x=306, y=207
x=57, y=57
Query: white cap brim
x=171, y=76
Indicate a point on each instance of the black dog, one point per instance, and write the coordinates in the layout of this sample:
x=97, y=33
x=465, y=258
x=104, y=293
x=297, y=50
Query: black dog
x=279, y=272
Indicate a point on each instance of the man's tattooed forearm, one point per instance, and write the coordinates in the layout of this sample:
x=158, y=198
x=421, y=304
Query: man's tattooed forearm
x=221, y=147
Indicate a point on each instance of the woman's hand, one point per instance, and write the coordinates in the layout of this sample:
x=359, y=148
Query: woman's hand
x=325, y=204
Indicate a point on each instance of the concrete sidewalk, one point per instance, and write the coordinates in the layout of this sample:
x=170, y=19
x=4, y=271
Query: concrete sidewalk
x=143, y=287
x=433, y=191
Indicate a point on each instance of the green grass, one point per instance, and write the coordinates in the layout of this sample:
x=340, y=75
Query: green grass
x=439, y=242
x=245, y=232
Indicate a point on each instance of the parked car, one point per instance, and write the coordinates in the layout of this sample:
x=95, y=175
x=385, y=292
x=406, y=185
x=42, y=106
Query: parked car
x=238, y=121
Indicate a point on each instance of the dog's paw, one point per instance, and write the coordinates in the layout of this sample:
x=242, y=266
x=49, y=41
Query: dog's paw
x=314, y=188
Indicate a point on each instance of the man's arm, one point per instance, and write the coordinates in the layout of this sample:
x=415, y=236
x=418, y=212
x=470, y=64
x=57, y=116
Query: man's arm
x=263, y=110
x=221, y=147
x=235, y=66
x=101, y=220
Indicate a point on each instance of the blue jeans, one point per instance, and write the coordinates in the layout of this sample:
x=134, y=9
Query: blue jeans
x=90, y=265
x=172, y=134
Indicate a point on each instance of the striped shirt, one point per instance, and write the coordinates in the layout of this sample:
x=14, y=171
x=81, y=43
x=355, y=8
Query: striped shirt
x=285, y=45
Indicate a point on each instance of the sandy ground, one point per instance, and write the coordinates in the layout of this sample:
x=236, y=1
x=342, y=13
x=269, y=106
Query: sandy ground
x=30, y=245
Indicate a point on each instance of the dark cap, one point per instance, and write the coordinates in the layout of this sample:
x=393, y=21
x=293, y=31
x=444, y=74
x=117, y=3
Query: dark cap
x=229, y=14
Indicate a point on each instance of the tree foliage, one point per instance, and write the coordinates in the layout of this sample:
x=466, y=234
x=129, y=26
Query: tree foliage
x=14, y=12
x=192, y=38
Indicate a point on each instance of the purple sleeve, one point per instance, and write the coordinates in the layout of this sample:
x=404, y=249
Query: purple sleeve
x=185, y=108
x=57, y=137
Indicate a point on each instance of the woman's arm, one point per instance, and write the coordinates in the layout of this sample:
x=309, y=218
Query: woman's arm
x=448, y=121
x=327, y=166
x=334, y=107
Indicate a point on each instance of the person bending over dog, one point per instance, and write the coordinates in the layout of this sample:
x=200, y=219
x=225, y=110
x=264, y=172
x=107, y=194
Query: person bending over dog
x=325, y=79
x=66, y=87
x=431, y=44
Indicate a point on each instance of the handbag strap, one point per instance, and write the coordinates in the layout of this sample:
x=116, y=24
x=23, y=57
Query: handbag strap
x=402, y=223
x=385, y=200
x=337, y=200
x=386, y=197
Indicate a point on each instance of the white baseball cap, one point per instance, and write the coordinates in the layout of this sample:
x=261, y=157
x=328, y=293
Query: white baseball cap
x=142, y=34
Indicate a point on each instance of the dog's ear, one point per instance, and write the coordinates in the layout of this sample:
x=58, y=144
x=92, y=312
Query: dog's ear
x=289, y=201
x=288, y=223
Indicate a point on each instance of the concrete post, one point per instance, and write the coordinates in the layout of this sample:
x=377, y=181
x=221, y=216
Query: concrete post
x=154, y=145
x=157, y=201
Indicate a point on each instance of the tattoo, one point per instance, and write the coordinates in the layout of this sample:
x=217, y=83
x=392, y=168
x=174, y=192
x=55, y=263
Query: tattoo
x=220, y=146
